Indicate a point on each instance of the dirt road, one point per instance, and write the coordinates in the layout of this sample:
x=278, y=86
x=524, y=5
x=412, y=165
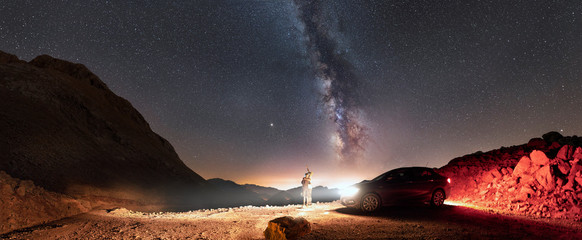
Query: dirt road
x=329, y=221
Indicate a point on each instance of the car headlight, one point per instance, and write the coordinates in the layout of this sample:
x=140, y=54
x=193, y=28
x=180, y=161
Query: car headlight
x=348, y=192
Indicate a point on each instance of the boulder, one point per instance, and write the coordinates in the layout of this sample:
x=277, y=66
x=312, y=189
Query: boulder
x=565, y=152
x=487, y=177
x=545, y=179
x=274, y=231
x=537, y=143
x=564, y=167
x=496, y=173
x=577, y=153
x=569, y=186
x=539, y=158
x=551, y=137
x=287, y=228
x=524, y=193
x=576, y=168
x=526, y=179
x=559, y=182
x=522, y=166
x=509, y=170
x=555, y=145
x=21, y=191
x=504, y=171
x=578, y=180
x=571, y=140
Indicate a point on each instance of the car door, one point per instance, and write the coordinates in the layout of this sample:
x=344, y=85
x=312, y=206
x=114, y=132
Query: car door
x=421, y=184
x=394, y=187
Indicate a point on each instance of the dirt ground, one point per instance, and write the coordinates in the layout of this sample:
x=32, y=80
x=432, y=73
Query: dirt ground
x=329, y=221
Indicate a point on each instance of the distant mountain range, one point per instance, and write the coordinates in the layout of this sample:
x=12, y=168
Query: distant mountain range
x=258, y=195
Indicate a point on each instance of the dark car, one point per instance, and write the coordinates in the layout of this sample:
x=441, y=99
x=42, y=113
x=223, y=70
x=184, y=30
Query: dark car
x=398, y=186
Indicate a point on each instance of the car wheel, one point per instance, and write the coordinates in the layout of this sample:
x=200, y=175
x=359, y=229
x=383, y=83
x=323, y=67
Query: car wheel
x=438, y=198
x=370, y=202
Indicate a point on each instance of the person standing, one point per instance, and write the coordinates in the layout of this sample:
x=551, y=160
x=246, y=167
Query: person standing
x=306, y=183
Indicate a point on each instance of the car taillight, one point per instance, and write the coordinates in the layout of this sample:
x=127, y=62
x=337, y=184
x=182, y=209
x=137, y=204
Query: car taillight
x=449, y=180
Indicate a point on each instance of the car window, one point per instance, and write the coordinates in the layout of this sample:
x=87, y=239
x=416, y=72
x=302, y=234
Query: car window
x=398, y=176
x=423, y=174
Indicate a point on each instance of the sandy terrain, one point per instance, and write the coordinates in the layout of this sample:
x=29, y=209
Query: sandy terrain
x=329, y=221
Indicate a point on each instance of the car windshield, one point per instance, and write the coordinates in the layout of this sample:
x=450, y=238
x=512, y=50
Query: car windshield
x=382, y=176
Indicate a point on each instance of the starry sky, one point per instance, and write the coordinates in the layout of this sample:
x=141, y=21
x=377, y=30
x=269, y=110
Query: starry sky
x=255, y=90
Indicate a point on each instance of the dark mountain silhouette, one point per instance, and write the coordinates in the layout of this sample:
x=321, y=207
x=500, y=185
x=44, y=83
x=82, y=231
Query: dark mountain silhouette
x=62, y=128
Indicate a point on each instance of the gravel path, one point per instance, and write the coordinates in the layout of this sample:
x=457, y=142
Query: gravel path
x=329, y=221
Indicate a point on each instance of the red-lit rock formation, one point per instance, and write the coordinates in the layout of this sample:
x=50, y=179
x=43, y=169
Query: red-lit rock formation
x=541, y=178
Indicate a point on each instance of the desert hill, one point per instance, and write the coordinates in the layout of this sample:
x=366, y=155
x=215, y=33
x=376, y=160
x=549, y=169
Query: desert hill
x=62, y=128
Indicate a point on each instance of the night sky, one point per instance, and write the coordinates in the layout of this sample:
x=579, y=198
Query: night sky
x=253, y=91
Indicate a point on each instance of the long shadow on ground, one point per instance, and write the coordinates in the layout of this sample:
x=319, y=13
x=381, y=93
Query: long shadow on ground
x=468, y=218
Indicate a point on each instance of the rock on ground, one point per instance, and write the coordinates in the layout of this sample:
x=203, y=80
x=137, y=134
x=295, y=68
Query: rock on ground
x=287, y=227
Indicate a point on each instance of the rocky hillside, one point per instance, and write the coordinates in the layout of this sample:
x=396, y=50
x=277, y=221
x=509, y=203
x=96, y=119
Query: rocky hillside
x=22, y=204
x=542, y=178
x=62, y=128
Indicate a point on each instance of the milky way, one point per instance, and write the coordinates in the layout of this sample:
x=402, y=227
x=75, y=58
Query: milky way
x=421, y=82
x=340, y=83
